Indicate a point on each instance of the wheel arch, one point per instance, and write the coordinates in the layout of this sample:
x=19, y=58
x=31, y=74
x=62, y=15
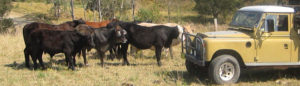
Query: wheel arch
x=234, y=53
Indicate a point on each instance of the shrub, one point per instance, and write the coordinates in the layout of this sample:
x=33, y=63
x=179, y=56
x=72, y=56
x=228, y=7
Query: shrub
x=5, y=24
x=148, y=14
x=5, y=6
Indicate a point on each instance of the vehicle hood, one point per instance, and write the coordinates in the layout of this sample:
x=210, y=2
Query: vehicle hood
x=228, y=34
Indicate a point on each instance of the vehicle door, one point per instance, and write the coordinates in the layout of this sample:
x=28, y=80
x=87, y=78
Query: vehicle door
x=274, y=43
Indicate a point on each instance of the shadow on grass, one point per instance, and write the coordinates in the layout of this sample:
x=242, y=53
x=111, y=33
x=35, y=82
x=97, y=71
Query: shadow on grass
x=185, y=77
x=121, y=64
x=252, y=75
x=60, y=65
x=265, y=75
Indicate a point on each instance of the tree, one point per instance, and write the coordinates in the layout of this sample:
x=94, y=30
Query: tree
x=216, y=8
x=109, y=7
x=72, y=10
x=133, y=8
x=5, y=6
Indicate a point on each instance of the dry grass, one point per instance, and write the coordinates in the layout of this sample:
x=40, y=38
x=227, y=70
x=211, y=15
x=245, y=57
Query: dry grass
x=142, y=72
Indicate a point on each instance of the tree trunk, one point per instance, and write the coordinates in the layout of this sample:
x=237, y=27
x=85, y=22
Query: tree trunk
x=132, y=10
x=72, y=10
x=121, y=10
x=216, y=24
x=114, y=9
x=94, y=14
x=99, y=10
x=169, y=13
x=84, y=10
x=215, y=15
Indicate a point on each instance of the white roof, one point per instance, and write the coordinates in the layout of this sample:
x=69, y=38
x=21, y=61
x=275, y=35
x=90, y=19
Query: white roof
x=275, y=9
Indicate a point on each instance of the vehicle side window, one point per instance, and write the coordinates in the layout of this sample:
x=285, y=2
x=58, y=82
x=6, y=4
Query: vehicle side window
x=280, y=23
x=269, y=28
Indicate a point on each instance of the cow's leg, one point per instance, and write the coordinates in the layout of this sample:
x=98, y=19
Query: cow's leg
x=158, y=54
x=112, y=54
x=74, y=59
x=84, y=57
x=26, y=54
x=70, y=61
x=102, y=55
x=34, y=59
x=67, y=60
x=39, y=57
x=171, y=52
x=124, y=53
x=118, y=52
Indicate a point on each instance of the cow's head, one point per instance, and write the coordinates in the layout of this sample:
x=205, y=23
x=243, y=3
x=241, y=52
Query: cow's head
x=180, y=30
x=120, y=33
x=75, y=23
x=87, y=33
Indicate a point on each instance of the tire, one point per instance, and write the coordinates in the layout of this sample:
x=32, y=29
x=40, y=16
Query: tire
x=229, y=65
x=195, y=69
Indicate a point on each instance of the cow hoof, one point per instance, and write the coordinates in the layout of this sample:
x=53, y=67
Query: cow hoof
x=159, y=64
x=35, y=68
x=72, y=68
x=44, y=68
x=86, y=65
x=126, y=63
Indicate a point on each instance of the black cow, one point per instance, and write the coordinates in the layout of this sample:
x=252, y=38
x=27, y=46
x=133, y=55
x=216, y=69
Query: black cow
x=106, y=38
x=57, y=41
x=145, y=37
x=69, y=25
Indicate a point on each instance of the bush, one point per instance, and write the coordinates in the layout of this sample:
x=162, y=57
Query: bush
x=5, y=24
x=5, y=6
x=148, y=14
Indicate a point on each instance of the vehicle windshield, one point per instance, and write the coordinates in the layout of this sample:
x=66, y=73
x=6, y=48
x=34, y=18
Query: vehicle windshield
x=246, y=19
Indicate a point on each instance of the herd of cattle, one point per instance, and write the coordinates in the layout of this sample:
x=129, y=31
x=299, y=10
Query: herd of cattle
x=77, y=36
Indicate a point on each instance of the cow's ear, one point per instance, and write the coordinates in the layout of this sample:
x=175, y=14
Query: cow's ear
x=83, y=29
x=110, y=25
x=118, y=28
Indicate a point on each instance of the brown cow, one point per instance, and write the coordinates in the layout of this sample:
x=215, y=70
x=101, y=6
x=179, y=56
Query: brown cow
x=50, y=41
x=100, y=24
x=29, y=28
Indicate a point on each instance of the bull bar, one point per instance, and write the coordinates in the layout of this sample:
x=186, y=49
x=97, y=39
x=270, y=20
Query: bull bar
x=194, y=50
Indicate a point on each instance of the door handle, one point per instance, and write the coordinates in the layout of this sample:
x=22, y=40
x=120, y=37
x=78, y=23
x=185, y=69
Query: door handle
x=286, y=46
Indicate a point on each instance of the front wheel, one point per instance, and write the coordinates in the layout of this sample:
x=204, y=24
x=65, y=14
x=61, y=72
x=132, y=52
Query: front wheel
x=224, y=69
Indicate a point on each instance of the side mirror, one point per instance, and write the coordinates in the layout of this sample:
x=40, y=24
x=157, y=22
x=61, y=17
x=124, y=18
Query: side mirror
x=270, y=24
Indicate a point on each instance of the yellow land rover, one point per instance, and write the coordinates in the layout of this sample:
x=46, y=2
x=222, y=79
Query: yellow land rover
x=258, y=36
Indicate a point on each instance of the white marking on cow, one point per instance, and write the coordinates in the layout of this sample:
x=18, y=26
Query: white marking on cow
x=180, y=30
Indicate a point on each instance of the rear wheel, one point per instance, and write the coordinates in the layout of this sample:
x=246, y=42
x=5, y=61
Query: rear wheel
x=224, y=69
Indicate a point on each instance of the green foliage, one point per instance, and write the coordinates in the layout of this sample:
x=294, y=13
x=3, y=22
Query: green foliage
x=151, y=14
x=109, y=7
x=216, y=8
x=60, y=7
x=263, y=2
x=5, y=24
x=5, y=6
